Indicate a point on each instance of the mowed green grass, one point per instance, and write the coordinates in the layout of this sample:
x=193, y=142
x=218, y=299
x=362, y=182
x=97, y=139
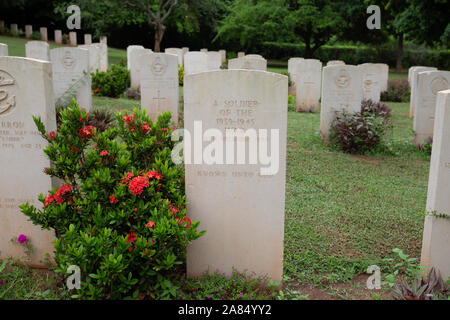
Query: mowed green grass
x=343, y=212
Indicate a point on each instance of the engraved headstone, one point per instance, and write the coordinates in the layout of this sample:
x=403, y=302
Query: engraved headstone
x=223, y=54
x=22, y=95
x=436, y=234
x=103, y=56
x=292, y=70
x=308, y=85
x=28, y=31
x=429, y=83
x=371, y=81
x=135, y=69
x=3, y=49
x=240, y=54
x=414, y=72
x=129, y=50
x=194, y=62
x=94, y=56
x=73, y=38
x=244, y=218
x=104, y=39
x=214, y=60
x=44, y=34
x=159, y=84
x=383, y=71
x=71, y=77
x=335, y=62
x=58, y=37
x=37, y=50
x=176, y=51
x=341, y=90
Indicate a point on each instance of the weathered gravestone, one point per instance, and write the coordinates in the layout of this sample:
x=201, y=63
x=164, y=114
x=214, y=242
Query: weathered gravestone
x=135, y=68
x=3, y=49
x=341, y=90
x=94, y=56
x=159, y=84
x=223, y=54
x=104, y=39
x=87, y=38
x=194, y=62
x=129, y=50
x=429, y=83
x=240, y=54
x=26, y=89
x=335, y=62
x=185, y=50
x=37, y=50
x=73, y=38
x=293, y=69
x=371, y=81
x=44, y=34
x=204, y=50
x=383, y=72
x=28, y=31
x=414, y=72
x=248, y=62
x=240, y=205
x=436, y=235
x=214, y=60
x=58, y=37
x=103, y=56
x=308, y=85
x=14, y=29
x=71, y=77
x=176, y=51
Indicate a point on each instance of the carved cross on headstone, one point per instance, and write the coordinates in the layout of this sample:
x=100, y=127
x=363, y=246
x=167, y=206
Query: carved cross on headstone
x=159, y=98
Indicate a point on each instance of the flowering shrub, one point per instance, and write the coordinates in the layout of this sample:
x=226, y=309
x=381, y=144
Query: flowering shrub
x=119, y=213
x=398, y=91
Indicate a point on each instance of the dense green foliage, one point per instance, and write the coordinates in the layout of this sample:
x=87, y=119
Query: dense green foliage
x=111, y=83
x=120, y=212
x=398, y=91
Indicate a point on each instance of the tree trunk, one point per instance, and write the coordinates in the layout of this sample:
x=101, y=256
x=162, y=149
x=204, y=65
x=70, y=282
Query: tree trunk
x=399, y=66
x=159, y=34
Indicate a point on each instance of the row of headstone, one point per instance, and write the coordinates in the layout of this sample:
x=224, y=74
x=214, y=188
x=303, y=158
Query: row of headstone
x=239, y=99
x=248, y=62
x=436, y=234
x=98, y=56
x=426, y=82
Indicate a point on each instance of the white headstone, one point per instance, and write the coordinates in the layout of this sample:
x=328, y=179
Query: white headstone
x=71, y=75
x=429, y=83
x=371, y=81
x=104, y=39
x=414, y=72
x=14, y=29
x=28, y=31
x=240, y=205
x=129, y=50
x=436, y=235
x=58, y=37
x=249, y=63
x=240, y=54
x=214, y=60
x=204, y=50
x=223, y=54
x=185, y=50
x=159, y=84
x=135, y=69
x=87, y=39
x=73, y=38
x=3, y=49
x=94, y=56
x=308, y=84
x=27, y=90
x=335, y=62
x=383, y=70
x=178, y=52
x=37, y=50
x=293, y=68
x=44, y=34
x=341, y=90
x=194, y=62
x=103, y=56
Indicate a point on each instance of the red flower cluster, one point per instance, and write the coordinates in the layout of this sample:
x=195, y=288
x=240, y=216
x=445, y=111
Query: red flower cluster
x=131, y=240
x=154, y=175
x=104, y=153
x=150, y=224
x=86, y=132
x=126, y=179
x=180, y=221
x=137, y=185
x=52, y=135
x=113, y=200
x=145, y=128
x=96, y=90
x=58, y=197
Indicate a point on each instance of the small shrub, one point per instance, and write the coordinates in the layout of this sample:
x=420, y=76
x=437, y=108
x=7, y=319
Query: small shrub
x=65, y=39
x=120, y=214
x=431, y=288
x=36, y=35
x=426, y=147
x=362, y=131
x=398, y=91
x=180, y=75
x=100, y=119
x=112, y=83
